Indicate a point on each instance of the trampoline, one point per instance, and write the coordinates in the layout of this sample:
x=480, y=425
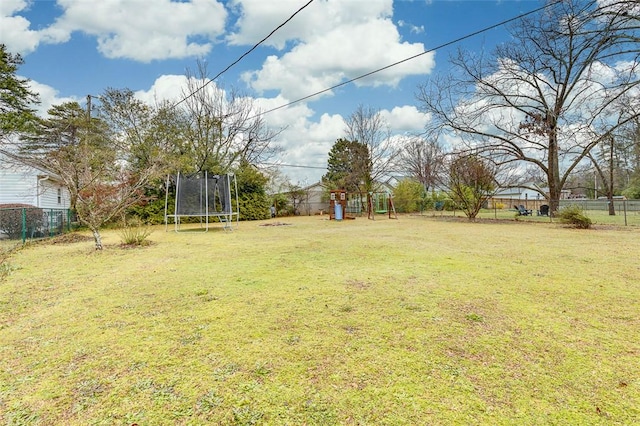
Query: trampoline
x=202, y=196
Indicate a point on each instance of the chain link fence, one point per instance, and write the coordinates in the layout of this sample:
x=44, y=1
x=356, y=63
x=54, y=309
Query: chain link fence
x=22, y=224
x=626, y=212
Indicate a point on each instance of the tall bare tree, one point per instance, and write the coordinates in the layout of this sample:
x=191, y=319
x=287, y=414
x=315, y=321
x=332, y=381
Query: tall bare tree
x=223, y=127
x=537, y=99
x=606, y=160
x=367, y=126
x=423, y=159
x=630, y=145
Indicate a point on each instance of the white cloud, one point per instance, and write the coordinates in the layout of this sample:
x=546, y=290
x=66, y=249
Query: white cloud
x=330, y=42
x=343, y=53
x=412, y=28
x=48, y=97
x=307, y=144
x=136, y=30
x=131, y=29
x=316, y=20
x=405, y=119
x=305, y=141
x=164, y=88
x=16, y=32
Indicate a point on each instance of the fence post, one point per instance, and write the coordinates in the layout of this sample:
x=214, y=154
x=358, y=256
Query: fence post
x=24, y=225
x=624, y=207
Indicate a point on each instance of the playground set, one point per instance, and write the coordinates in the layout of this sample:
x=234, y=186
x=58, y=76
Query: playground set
x=377, y=203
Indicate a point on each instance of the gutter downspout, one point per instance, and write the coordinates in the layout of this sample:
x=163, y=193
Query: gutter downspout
x=40, y=179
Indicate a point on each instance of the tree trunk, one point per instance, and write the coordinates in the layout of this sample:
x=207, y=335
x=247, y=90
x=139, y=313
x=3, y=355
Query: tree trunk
x=612, y=210
x=97, y=237
x=553, y=174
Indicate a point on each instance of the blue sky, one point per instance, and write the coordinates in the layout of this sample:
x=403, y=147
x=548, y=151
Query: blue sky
x=77, y=47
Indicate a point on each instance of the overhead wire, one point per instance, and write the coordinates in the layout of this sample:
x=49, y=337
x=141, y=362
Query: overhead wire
x=449, y=43
x=243, y=55
x=293, y=165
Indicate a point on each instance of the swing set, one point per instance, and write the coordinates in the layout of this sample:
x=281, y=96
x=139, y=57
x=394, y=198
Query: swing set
x=380, y=203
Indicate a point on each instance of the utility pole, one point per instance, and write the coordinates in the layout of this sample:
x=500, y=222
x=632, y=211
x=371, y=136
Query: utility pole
x=89, y=108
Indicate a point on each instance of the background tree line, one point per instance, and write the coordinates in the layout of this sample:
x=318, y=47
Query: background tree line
x=115, y=157
x=556, y=106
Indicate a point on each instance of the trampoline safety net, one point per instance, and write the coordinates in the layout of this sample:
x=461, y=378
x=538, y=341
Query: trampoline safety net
x=203, y=195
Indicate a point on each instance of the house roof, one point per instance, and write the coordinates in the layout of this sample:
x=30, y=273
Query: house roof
x=10, y=161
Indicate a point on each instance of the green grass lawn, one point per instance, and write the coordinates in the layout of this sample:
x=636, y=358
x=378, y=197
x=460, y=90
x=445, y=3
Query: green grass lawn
x=421, y=320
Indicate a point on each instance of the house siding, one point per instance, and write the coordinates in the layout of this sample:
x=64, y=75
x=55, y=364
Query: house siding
x=52, y=195
x=18, y=186
x=27, y=185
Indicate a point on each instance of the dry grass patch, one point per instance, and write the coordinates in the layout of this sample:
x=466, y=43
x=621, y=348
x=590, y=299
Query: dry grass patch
x=409, y=321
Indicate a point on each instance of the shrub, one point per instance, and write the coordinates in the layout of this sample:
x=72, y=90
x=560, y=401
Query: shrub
x=574, y=215
x=135, y=233
x=253, y=200
x=633, y=189
x=254, y=206
x=407, y=196
x=11, y=220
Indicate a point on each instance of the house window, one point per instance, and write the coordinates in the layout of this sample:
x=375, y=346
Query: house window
x=59, y=195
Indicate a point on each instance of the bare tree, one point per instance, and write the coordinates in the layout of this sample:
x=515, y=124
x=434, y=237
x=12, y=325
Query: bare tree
x=629, y=139
x=605, y=159
x=537, y=99
x=423, y=159
x=223, y=127
x=85, y=154
x=367, y=126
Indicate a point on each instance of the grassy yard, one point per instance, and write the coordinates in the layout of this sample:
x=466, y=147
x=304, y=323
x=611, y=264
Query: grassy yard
x=421, y=320
x=598, y=217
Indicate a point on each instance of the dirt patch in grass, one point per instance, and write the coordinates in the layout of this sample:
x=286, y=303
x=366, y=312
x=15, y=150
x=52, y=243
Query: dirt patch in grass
x=71, y=238
x=463, y=219
x=125, y=246
x=275, y=224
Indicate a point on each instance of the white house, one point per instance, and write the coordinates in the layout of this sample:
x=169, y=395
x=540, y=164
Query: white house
x=20, y=184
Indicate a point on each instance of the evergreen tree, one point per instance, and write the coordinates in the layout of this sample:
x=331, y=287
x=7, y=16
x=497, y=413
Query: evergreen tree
x=349, y=166
x=16, y=100
x=252, y=194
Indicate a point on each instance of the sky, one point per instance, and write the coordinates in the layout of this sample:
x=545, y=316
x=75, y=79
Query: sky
x=75, y=48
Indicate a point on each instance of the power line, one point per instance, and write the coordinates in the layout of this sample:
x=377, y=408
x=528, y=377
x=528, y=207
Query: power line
x=293, y=165
x=410, y=58
x=243, y=55
x=457, y=40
